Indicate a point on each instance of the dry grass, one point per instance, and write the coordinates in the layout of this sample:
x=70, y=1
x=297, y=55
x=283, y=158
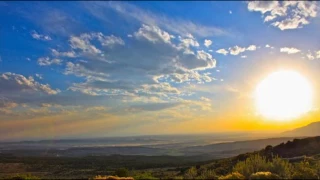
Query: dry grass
x=112, y=178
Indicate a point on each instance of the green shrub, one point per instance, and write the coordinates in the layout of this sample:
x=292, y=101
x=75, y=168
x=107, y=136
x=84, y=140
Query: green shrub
x=122, y=172
x=178, y=178
x=252, y=164
x=99, y=177
x=264, y=175
x=303, y=170
x=281, y=167
x=144, y=175
x=234, y=175
x=191, y=173
x=24, y=177
x=207, y=174
x=318, y=168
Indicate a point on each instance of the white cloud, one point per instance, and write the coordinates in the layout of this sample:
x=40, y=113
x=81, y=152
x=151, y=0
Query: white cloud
x=262, y=6
x=205, y=99
x=230, y=12
x=318, y=54
x=207, y=42
x=70, y=54
x=289, y=50
x=82, y=42
x=5, y=104
x=42, y=37
x=39, y=76
x=243, y=56
x=28, y=59
x=236, y=50
x=285, y=14
x=189, y=42
x=108, y=40
x=46, y=61
x=251, y=48
x=153, y=34
x=310, y=56
x=267, y=45
x=17, y=83
x=222, y=51
x=131, y=69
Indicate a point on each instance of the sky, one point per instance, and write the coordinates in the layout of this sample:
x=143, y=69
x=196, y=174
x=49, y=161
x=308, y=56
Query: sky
x=97, y=69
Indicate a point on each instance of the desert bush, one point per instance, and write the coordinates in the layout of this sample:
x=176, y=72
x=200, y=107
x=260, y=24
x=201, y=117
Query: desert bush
x=303, y=170
x=24, y=177
x=191, y=173
x=234, y=175
x=207, y=174
x=281, y=167
x=144, y=175
x=178, y=178
x=252, y=164
x=264, y=175
x=122, y=172
x=99, y=177
x=318, y=168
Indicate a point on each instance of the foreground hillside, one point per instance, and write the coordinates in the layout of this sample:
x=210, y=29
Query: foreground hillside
x=296, y=159
x=294, y=156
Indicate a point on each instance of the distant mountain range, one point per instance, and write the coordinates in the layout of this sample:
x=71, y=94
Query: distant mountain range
x=312, y=129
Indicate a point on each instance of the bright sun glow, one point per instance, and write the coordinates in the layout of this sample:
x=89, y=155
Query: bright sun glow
x=283, y=95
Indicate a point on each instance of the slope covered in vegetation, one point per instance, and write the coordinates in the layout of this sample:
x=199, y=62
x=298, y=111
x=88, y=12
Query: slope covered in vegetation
x=297, y=159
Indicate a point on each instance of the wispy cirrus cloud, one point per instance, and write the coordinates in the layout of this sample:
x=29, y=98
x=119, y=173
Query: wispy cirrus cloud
x=171, y=24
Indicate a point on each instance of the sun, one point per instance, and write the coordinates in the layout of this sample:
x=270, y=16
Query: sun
x=283, y=95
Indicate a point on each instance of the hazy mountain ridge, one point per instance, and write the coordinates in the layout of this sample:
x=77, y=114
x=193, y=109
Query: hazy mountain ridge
x=312, y=129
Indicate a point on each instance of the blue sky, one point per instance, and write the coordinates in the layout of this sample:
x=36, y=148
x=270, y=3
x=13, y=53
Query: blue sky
x=128, y=68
